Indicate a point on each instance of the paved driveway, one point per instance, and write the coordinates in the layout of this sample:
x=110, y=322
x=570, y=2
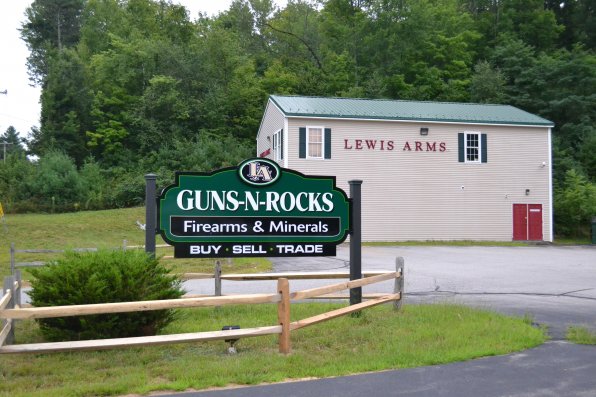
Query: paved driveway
x=555, y=285
x=555, y=369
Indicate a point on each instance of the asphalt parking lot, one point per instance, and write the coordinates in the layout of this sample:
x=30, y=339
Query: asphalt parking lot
x=556, y=285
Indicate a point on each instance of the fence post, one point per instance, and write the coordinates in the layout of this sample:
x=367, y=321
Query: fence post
x=12, y=260
x=283, y=315
x=17, y=292
x=217, y=278
x=9, y=286
x=124, y=244
x=399, y=282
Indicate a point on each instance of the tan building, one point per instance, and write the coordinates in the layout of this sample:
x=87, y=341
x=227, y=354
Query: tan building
x=431, y=170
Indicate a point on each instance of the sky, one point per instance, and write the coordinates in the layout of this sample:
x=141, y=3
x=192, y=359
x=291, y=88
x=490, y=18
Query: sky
x=20, y=107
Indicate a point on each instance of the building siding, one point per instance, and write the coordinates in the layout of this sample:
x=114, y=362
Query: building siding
x=273, y=121
x=418, y=195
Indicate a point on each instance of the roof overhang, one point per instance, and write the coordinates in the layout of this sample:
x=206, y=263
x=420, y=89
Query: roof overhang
x=298, y=116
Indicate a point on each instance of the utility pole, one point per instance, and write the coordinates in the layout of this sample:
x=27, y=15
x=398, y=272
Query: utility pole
x=5, y=144
x=5, y=92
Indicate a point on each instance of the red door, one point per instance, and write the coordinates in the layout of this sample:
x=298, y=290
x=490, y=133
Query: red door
x=535, y=222
x=527, y=222
x=520, y=221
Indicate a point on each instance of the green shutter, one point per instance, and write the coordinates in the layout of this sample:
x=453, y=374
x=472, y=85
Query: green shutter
x=281, y=144
x=302, y=142
x=462, y=154
x=483, y=154
x=327, y=143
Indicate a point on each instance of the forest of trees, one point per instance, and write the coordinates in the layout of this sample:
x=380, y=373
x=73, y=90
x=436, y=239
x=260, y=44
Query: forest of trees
x=131, y=86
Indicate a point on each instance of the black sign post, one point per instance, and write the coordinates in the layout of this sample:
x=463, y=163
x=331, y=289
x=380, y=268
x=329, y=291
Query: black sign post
x=356, y=240
x=150, y=213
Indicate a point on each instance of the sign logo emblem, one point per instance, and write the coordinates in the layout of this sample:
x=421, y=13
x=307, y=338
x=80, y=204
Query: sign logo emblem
x=259, y=172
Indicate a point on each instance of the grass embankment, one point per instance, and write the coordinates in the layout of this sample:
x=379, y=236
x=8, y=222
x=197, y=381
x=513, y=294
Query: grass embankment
x=380, y=339
x=101, y=229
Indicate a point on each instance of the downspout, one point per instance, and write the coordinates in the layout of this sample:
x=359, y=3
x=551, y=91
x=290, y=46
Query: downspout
x=550, y=185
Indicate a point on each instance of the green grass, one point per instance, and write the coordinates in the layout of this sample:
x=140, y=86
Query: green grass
x=471, y=243
x=454, y=243
x=101, y=229
x=572, y=241
x=380, y=339
x=581, y=335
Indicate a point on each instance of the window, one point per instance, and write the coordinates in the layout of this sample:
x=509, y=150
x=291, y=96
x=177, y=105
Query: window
x=278, y=145
x=314, y=142
x=314, y=138
x=472, y=147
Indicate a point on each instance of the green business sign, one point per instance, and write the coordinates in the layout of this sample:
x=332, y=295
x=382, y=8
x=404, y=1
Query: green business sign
x=255, y=209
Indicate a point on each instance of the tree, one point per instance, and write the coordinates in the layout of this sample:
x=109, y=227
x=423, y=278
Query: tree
x=575, y=204
x=295, y=50
x=11, y=142
x=431, y=50
x=57, y=184
x=487, y=84
x=15, y=173
x=587, y=153
x=65, y=107
x=579, y=19
x=526, y=20
x=51, y=26
x=343, y=25
x=561, y=87
x=164, y=113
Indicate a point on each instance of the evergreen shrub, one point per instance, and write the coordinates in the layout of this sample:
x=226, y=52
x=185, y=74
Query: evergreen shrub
x=103, y=277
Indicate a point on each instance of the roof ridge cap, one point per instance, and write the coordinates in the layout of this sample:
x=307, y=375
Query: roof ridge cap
x=394, y=100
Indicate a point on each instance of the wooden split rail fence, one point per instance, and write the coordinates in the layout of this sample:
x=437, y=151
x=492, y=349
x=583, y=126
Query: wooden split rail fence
x=10, y=311
x=216, y=275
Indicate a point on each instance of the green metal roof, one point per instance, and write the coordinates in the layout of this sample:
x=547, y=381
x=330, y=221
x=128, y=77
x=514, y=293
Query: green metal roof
x=381, y=109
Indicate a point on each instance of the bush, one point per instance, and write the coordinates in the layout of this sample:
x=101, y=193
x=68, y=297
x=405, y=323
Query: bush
x=57, y=184
x=94, y=185
x=103, y=277
x=575, y=205
x=127, y=190
x=14, y=174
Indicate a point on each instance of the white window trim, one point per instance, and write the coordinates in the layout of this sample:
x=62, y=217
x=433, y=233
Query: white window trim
x=285, y=133
x=273, y=145
x=277, y=147
x=308, y=156
x=466, y=133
